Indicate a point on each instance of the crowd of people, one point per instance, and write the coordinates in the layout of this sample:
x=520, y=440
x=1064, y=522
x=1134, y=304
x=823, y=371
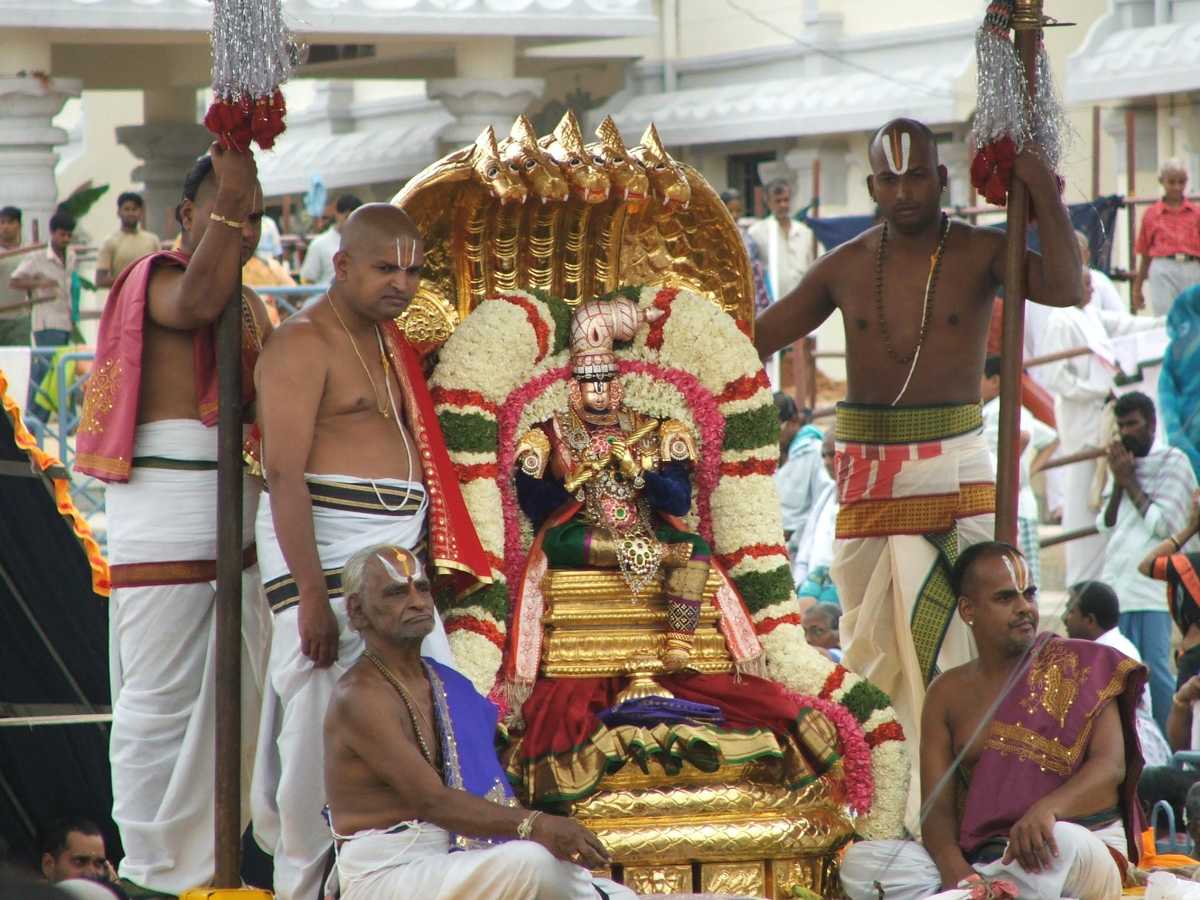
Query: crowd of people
x=887, y=514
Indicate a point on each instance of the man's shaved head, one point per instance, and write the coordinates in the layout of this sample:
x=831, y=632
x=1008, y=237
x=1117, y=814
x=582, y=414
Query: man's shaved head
x=377, y=223
x=899, y=144
x=378, y=265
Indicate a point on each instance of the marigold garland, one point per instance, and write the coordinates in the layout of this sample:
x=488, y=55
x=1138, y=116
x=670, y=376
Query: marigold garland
x=495, y=379
x=53, y=469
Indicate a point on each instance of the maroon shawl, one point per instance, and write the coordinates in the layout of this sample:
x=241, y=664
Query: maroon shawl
x=110, y=404
x=1039, y=736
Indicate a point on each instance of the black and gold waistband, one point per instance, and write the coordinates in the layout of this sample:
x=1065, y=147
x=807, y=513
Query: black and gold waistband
x=870, y=423
x=380, y=500
x=163, y=462
x=283, y=593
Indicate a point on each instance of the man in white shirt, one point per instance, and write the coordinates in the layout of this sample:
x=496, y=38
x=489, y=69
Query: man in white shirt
x=47, y=279
x=800, y=476
x=786, y=245
x=1038, y=441
x=1149, y=499
x=1092, y=614
x=318, y=259
x=1082, y=385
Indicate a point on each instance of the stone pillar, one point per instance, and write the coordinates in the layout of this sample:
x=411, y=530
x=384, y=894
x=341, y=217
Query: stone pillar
x=29, y=101
x=486, y=91
x=167, y=145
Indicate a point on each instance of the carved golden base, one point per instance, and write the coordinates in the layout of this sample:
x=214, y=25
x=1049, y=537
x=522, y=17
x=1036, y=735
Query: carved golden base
x=719, y=832
x=594, y=627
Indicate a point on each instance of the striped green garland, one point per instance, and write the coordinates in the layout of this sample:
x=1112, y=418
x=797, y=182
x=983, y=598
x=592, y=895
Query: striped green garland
x=752, y=429
x=469, y=432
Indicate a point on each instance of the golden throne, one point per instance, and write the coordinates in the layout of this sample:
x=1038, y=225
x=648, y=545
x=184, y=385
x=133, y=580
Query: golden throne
x=553, y=216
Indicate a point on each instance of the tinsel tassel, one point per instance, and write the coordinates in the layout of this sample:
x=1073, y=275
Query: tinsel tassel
x=253, y=53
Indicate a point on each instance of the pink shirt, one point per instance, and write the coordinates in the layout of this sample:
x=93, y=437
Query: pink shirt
x=1169, y=230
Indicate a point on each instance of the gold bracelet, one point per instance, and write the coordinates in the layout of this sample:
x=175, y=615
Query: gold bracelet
x=1174, y=542
x=232, y=223
x=525, y=829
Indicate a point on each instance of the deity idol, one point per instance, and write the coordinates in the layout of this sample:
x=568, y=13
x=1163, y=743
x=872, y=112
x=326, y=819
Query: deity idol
x=625, y=477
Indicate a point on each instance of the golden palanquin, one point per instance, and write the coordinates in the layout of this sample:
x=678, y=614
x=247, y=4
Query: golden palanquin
x=494, y=221
x=736, y=830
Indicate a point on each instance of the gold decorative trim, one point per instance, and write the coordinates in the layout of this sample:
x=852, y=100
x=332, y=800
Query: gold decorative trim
x=865, y=423
x=659, y=879
x=748, y=878
x=1050, y=753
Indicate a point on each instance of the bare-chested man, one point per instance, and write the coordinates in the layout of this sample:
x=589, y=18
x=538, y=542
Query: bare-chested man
x=411, y=769
x=353, y=457
x=915, y=480
x=149, y=428
x=1044, y=794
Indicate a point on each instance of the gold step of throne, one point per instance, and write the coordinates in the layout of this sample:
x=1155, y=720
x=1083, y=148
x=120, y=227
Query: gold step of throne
x=736, y=830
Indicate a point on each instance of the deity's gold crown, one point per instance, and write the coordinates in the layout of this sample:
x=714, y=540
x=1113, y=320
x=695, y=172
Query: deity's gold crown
x=496, y=217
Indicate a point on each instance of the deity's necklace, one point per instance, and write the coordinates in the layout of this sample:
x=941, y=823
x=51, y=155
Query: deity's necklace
x=409, y=704
x=935, y=266
x=383, y=410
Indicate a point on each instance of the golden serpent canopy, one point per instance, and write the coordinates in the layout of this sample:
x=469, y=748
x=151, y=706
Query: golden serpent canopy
x=570, y=218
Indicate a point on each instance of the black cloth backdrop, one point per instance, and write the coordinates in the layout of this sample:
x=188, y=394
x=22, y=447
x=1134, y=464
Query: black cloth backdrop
x=46, y=598
x=1095, y=218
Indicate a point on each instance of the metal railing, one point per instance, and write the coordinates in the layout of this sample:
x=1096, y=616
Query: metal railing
x=87, y=492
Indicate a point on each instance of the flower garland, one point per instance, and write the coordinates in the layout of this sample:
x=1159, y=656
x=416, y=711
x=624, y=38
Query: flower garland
x=505, y=368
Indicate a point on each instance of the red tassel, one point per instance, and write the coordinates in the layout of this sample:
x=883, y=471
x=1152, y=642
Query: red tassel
x=237, y=124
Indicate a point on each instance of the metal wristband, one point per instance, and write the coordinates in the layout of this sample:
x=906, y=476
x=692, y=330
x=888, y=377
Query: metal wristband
x=232, y=223
x=525, y=829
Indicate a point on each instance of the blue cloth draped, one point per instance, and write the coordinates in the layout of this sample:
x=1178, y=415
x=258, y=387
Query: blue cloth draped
x=467, y=725
x=1179, y=381
x=1095, y=218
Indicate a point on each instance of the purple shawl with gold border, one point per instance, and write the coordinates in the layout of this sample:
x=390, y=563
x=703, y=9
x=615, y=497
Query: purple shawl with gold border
x=1039, y=736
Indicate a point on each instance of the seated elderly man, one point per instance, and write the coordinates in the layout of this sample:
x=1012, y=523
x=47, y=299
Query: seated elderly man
x=411, y=772
x=1029, y=758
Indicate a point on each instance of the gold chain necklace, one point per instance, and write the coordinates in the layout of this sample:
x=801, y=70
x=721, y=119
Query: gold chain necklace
x=409, y=704
x=380, y=405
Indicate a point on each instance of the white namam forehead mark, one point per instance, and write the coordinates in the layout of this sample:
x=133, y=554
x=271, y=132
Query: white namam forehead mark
x=406, y=252
x=1017, y=571
x=897, y=145
x=401, y=565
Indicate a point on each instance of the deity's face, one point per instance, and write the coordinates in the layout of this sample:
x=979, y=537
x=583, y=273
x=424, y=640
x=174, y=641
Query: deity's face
x=597, y=396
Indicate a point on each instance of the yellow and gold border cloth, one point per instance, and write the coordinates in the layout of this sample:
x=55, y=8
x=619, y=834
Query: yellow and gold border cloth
x=910, y=470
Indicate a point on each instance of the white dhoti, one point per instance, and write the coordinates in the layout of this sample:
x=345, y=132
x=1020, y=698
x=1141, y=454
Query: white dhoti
x=908, y=507
x=414, y=861
x=162, y=542
x=1084, y=868
x=288, y=792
